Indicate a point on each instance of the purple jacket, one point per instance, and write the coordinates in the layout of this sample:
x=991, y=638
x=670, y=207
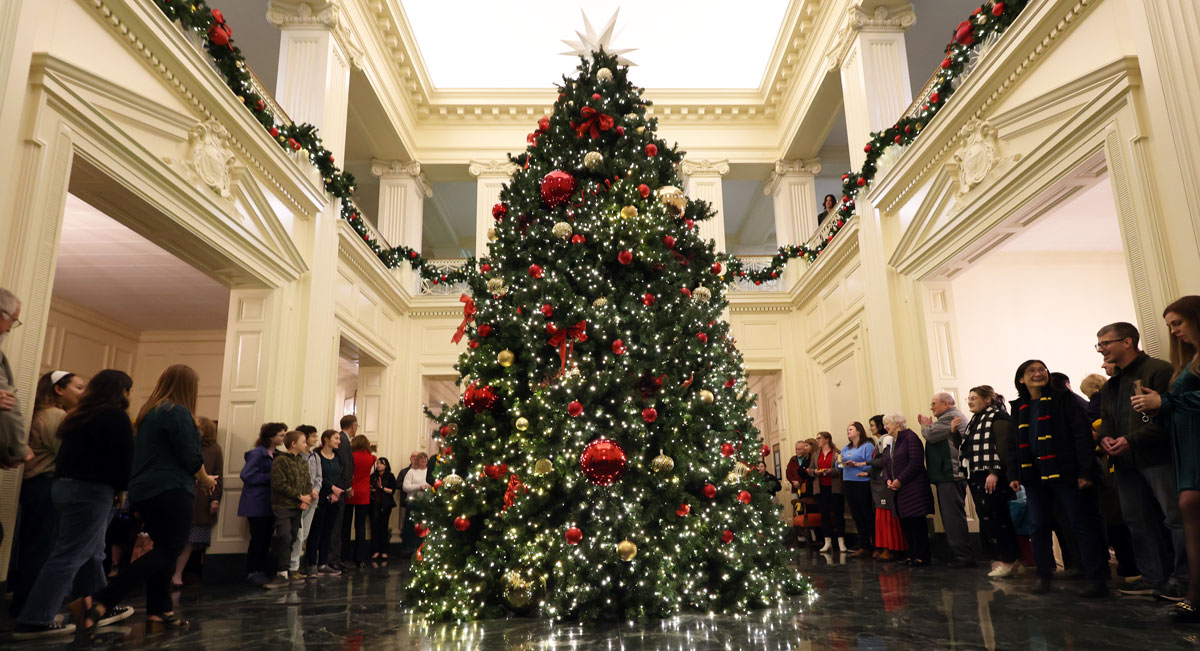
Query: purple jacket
x=907, y=463
x=256, y=484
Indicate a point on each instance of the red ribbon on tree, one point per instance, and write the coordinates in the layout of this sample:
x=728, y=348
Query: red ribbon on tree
x=510, y=495
x=593, y=123
x=565, y=340
x=468, y=314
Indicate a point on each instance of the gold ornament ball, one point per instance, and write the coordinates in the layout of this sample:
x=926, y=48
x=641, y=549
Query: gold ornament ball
x=604, y=75
x=542, y=467
x=506, y=358
x=453, y=480
x=600, y=302
x=592, y=159
x=632, y=117
x=518, y=592
x=641, y=130
x=672, y=197
x=629, y=212
x=662, y=463
x=491, y=234
x=496, y=286
x=562, y=230
x=707, y=396
x=522, y=424
x=626, y=550
x=702, y=294
x=732, y=477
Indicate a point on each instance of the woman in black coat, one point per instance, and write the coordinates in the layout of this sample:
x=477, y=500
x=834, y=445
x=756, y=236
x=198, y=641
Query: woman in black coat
x=909, y=481
x=1051, y=455
x=383, y=500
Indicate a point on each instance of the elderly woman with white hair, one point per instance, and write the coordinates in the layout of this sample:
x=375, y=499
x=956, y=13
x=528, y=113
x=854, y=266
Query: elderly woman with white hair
x=906, y=477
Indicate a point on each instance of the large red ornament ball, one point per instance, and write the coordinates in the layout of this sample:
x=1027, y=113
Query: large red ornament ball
x=727, y=537
x=575, y=408
x=578, y=239
x=462, y=523
x=702, y=337
x=998, y=9
x=727, y=449
x=499, y=211
x=547, y=310
x=485, y=330
x=964, y=33
x=219, y=34
x=744, y=497
x=651, y=150
x=625, y=257
x=649, y=414
x=618, y=347
x=644, y=190
x=685, y=291
x=495, y=471
x=421, y=530
x=535, y=270
x=716, y=268
x=602, y=462
x=683, y=510
x=669, y=241
x=861, y=182
x=648, y=299
x=766, y=450
x=709, y=491
x=574, y=536
x=557, y=187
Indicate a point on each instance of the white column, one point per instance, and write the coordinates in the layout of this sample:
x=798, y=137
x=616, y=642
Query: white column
x=875, y=93
x=314, y=86
x=491, y=177
x=400, y=219
x=702, y=180
x=794, y=191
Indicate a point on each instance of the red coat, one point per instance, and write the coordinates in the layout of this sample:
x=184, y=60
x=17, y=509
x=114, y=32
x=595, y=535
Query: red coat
x=364, y=463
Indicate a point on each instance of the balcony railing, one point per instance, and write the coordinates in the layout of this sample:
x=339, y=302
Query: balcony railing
x=428, y=288
x=754, y=263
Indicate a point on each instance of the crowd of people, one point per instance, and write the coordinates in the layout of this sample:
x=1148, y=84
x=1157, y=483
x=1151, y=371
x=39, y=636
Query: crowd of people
x=1114, y=472
x=109, y=503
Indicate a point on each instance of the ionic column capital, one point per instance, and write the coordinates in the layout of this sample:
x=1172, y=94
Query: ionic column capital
x=492, y=169
x=882, y=18
x=808, y=167
x=394, y=169
x=315, y=14
x=691, y=167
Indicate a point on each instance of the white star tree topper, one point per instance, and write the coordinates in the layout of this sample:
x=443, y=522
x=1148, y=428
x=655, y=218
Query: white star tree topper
x=591, y=41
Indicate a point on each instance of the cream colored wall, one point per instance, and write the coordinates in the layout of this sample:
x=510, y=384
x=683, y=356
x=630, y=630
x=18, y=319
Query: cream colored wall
x=1011, y=307
x=203, y=350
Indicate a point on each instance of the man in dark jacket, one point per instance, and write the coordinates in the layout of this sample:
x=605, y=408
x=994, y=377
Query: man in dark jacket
x=1142, y=453
x=945, y=473
x=349, y=425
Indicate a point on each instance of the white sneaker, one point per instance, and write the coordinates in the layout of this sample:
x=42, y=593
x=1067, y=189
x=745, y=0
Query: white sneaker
x=842, y=544
x=828, y=545
x=1004, y=570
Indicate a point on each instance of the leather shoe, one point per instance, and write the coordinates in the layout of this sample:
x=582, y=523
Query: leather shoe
x=1041, y=586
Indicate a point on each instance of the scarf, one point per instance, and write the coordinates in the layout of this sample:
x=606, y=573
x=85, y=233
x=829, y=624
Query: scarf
x=1035, y=439
x=979, y=449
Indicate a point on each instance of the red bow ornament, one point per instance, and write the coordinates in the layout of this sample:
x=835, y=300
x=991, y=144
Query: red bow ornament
x=593, y=123
x=468, y=314
x=514, y=486
x=564, y=340
x=479, y=399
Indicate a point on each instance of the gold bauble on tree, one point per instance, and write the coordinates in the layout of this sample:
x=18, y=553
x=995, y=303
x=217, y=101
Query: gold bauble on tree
x=592, y=159
x=496, y=286
x=672, y=197
x=506, y=358
x=491, y=234
x=629, y=212
x=707, y=396
x=522, y=424
x=542, y=467
x=732, y=478
x=453, y=480
x=702, y=294
x=520, y=592
x=626, y=550
x=600, y=302
x=561, y=230
x=662, y=463
x=604, y=75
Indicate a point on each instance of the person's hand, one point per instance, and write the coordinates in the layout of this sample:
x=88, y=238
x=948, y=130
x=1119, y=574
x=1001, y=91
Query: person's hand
x=894, y=484
x=1148, y=401
x=956, y=423
x=795, y=485
x=118, y=499
x=8, y=400
x=350, y=492
x=989, y=484
x=863, y=474
x=337, y=492
x=1118, y=446
x=303, y=505
x=208, y=483
x=17, y=464
x=316, y=494
x=306, y=499
x=388, y=491
x=213, y=507
x=924, y=420
x=333, y=498
x=1084, y=483
x=1014, y=485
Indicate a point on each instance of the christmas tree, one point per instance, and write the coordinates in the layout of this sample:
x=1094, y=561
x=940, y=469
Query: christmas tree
x=599, y=461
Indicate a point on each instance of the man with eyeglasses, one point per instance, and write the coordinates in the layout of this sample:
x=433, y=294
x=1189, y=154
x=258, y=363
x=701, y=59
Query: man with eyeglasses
x=1141, y=451
x=13, y=438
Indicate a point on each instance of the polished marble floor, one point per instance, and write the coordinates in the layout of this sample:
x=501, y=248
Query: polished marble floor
x=858, y=605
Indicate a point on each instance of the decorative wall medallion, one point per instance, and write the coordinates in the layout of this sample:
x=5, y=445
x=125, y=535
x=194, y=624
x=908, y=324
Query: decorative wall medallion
x=209, y=161
x=979, y=155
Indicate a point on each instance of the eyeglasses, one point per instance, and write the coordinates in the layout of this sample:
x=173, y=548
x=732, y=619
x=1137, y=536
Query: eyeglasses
x=16, y=323
x=1101, y=345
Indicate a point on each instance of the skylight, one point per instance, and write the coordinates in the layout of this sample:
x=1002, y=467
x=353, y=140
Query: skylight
x=706, y=44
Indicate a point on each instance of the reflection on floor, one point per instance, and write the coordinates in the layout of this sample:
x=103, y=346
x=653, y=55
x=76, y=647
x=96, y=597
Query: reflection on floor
x=860, y=605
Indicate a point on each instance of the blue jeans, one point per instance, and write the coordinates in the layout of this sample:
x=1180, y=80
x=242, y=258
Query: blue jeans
x=1082, y=508
x=76, y=566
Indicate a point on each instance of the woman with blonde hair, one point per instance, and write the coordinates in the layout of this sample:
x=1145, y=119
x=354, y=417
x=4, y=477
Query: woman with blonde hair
x=167, y=470
x=204, y=510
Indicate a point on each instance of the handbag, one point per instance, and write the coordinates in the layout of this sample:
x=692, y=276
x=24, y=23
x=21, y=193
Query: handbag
x=1018, y=509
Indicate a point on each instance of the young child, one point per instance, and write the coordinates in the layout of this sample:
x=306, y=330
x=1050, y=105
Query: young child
x=313, y=440
x=291, y=495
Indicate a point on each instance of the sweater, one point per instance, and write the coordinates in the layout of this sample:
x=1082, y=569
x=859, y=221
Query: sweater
x=214, y=464
x=44, y=441
x=941, y=446
x=289, y=481
x=98, y=450
x=166, y=455
x=1149, y=442
x=255, y=501
x=331, y=470
x=364, y=463
x=862, y=453
x=13, y=439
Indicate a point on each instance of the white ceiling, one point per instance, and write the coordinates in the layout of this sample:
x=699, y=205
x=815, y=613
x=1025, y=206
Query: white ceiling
x=107, y=268
x=1087, y=222
x=516, y=43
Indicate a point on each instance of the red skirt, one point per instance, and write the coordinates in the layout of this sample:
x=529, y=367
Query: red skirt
x=887, y=531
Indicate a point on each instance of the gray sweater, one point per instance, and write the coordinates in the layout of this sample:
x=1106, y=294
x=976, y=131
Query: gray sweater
x=14, y=440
